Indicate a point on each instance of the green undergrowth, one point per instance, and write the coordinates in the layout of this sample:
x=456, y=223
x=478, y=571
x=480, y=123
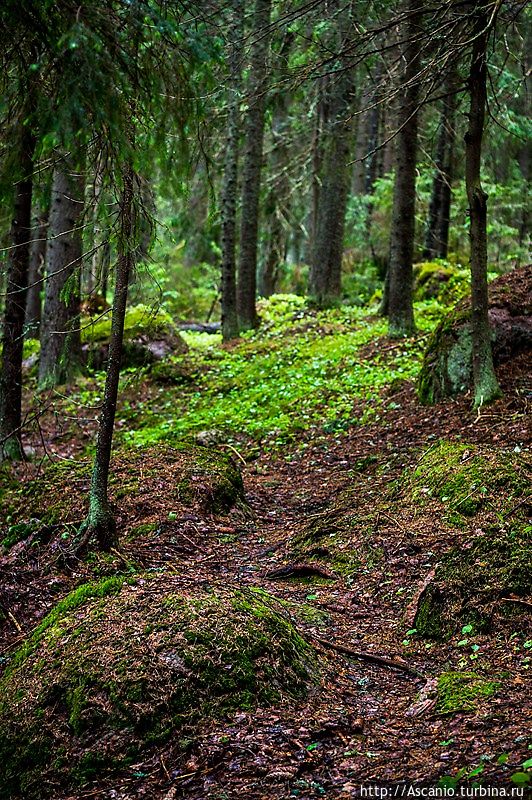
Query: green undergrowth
x=116, y=668
x=462, y=691
x=300, y=370
x=468, y=478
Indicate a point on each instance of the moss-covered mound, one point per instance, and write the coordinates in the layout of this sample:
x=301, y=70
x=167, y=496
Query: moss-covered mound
x=116, y=667
x=468, y=478
x=148, y=482
x=440, y=279
x=446, y=369
x=462, y=691
x=338, y=538
x=469, y=583
x=149, y=336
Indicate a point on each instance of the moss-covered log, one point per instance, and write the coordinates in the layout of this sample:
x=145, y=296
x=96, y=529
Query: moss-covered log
x=119, y=666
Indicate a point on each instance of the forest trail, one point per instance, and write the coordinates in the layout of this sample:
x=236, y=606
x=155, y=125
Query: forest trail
x=336, y=506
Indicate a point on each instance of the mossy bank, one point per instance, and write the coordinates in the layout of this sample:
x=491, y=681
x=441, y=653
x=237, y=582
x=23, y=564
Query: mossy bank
x=191, y=475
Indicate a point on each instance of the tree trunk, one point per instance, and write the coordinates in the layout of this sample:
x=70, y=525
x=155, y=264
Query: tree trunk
x=400, y=299
x=100, y=526
x=437, y=235
x=230, y=329
x=60, y=335
x=326, y=267
x=36, y=275
x=251, y=173
x=326, y=263
x=486, y=387
x=279, y=191
x=15, y=306
x=320, y=122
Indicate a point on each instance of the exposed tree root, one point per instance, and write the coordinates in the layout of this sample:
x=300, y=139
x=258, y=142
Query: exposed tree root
x=362, y=655
x=301, y=571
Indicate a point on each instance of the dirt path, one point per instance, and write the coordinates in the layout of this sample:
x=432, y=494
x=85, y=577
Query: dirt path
x=367, y=724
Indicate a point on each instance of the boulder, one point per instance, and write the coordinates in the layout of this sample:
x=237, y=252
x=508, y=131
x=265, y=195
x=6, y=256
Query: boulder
x=470, y=582
x=121, y=666
x=149, y=337
x=446, y=370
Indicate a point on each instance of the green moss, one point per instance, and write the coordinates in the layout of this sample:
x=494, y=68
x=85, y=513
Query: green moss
x=211, y=473
x=469, y=582
x=461, y=691
x=51, y=623
x=446, y=369
x=468, y=478
x=141, y=320
x=19, y=532
x=143, y=529
x=132, y=666
x=192, y=475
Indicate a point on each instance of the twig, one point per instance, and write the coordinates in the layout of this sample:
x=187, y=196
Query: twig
x=362, y=655
x=522, y=503
x=235, y=451
x=516, y=600
x=14, y=621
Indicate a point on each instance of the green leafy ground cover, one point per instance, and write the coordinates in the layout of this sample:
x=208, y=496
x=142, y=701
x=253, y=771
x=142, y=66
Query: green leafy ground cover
x=301, y=370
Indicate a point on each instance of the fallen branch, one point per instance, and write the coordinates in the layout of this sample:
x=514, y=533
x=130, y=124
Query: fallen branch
x=362, y=655
x=516, y=600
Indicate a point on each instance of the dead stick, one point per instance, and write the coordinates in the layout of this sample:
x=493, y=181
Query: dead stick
x=371, y=657
x=516, y=600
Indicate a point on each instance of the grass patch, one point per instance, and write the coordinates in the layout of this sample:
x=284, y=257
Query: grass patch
x=301, y=370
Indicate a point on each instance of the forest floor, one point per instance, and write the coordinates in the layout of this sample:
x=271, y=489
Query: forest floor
x=366, y=724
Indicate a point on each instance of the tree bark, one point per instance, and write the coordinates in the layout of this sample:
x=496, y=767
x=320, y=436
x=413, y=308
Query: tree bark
x=60, y=335
x=100, y=526
x=400, y=277
x=279, y=191
x=230, y=328
x=486, y=387
x=326, y=263
x=15, y=305
x=320, y=122
x=437, y=234
x=36, y=275
x=326, y=267
x=251, y=173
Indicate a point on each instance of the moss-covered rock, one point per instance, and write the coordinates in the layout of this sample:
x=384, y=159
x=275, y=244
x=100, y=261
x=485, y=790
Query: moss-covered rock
x=446, y=370
x=117, y=666
x=469, y=583
x=440, y=279
x=468, y=478
x=191, y=475
x=150, y=335
x=462, y=691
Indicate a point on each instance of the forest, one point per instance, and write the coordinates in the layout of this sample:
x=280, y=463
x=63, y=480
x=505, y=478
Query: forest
x=265, y=391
